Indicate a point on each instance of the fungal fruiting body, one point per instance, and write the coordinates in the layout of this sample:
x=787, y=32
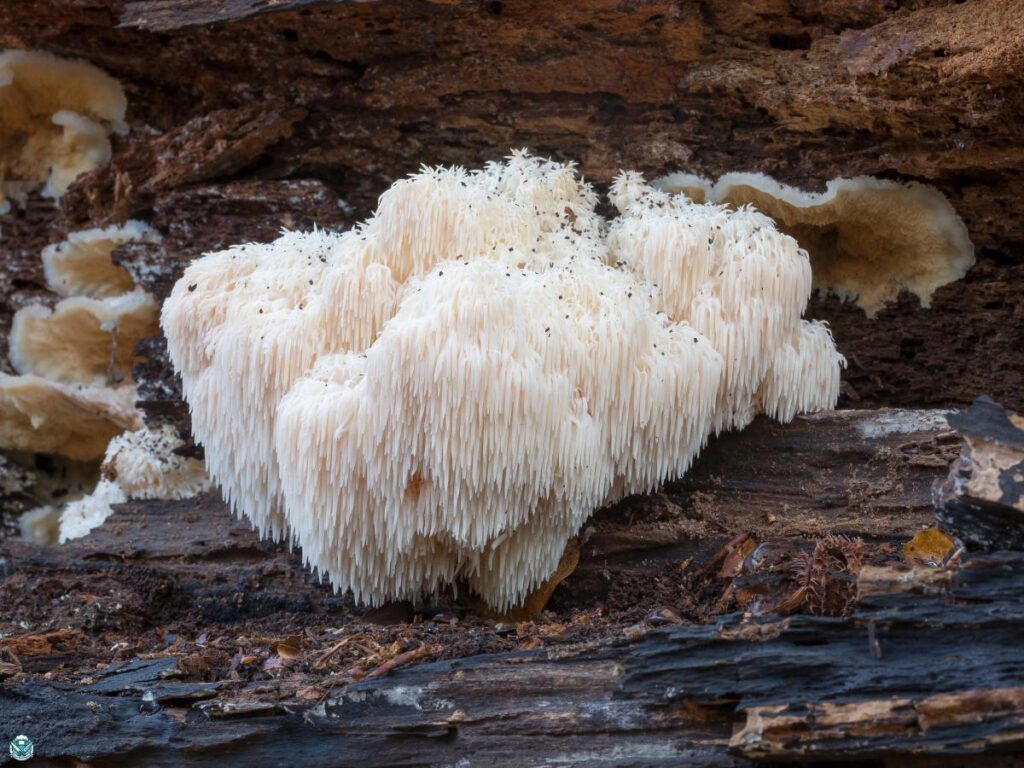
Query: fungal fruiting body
x=81, y=265
x=868, y=238
x=445, y=393
x=72, y=420
x=82, y=339
x=56, y=117
x=141, y=464
x=740, y=283
x=74, y=393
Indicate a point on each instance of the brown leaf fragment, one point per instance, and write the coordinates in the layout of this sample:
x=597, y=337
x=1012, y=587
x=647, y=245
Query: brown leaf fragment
x=732, y=565
x=931, y=548
x=288, y=648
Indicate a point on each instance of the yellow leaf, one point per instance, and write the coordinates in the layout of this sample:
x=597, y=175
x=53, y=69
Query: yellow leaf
x=930, y=547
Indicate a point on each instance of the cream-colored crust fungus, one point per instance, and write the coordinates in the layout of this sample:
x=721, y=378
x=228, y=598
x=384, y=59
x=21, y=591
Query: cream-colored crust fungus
x=56, y=117
x=445, y=393
x=868, y=238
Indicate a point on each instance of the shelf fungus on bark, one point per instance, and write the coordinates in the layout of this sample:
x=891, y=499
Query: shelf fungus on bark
x=56, y=117
x=82, y=339
x=868, y=238
x=445, y=393
x=81, y=264
x=72, y=420
x=75, y=359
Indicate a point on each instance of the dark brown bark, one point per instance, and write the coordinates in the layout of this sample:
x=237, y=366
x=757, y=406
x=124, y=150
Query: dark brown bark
x=355, y=95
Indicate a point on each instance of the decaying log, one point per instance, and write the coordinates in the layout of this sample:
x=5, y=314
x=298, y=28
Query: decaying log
x=159, y=628
x=916, y=672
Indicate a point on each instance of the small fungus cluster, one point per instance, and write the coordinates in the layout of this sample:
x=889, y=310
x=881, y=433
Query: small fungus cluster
x=74, y=393
x=74, y=397
x=56, y=117
x=445, y=393
x=137, y=465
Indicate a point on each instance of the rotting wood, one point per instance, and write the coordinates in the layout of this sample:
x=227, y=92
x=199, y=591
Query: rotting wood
x=982, y=500
x=183, y=601
x=797, y=687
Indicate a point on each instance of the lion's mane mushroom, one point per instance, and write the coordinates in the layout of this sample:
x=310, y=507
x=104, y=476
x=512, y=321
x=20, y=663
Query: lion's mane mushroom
x=742, y=284
x=243, y=324
x=868, y=238
x=447, y=392
x=56, y=117
x=137, y=465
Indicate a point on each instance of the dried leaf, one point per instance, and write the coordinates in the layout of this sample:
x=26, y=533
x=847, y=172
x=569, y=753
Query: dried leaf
x=930, y=547
x=287, y=648
x=732, y=565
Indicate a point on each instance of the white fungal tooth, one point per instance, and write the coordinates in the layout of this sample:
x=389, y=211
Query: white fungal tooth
x=468, y=380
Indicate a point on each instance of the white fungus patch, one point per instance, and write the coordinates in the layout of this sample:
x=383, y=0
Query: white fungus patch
x=449, y=390
x=56, y=117
x=137, y=465
x=868, y=238
x=901, y=422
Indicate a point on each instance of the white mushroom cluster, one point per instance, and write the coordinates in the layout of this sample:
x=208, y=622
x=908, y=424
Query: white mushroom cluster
x=445, y=393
